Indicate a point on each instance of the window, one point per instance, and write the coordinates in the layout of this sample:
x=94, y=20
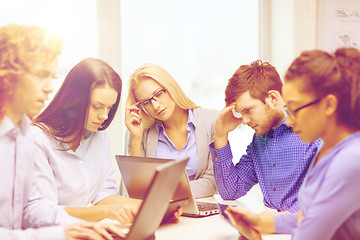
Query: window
x=74, y=23
x=200, y=43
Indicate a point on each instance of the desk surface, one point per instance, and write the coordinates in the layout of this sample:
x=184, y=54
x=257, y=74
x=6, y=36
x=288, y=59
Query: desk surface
x=214, y=227
x=207, y=228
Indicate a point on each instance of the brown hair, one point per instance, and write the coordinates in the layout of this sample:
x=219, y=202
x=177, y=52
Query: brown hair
x=66, y=114
x=337, y=74
x=258, y=78
x=21, y=47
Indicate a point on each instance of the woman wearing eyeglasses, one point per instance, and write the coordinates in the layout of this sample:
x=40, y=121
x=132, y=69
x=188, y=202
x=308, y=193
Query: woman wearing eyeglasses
x=322, y=95
x=165, y=123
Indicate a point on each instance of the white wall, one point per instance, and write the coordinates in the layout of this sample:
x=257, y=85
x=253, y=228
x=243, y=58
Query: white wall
x=109, y=38
x=292, y=25
x=305, y=25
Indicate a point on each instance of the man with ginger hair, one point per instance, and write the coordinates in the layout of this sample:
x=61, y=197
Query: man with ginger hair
x=276, y=158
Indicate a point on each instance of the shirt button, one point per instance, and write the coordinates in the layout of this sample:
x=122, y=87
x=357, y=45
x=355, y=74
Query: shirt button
x=274, y=189
x=16, y=198
x=276, y=140
x=219, y=176
x=274, y=164
x=216, y=158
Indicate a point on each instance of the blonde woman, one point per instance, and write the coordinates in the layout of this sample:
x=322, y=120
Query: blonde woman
x=165, y=123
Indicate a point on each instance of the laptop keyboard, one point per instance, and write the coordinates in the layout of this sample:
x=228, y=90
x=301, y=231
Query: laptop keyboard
x=205, y=206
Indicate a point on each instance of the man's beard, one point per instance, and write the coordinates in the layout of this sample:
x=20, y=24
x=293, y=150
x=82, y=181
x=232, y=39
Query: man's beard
x=271, y=121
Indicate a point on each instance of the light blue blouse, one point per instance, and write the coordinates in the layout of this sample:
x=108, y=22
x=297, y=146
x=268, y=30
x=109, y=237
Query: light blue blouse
x=166, y=149
x=330, y=196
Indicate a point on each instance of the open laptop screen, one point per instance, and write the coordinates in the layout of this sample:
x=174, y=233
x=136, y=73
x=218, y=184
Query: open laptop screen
x=162, y=186
x=137, y=173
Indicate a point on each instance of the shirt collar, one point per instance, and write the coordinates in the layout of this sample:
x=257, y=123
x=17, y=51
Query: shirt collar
x=282, y=127
x=278, y=130
x=8, y=127
x=191, y=120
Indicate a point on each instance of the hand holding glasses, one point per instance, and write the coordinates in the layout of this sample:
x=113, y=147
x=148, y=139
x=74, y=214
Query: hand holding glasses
x=147, y=104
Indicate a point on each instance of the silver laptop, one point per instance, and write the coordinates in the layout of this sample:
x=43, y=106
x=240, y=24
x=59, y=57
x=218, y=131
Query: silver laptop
x=136, y=173
x=162, y=186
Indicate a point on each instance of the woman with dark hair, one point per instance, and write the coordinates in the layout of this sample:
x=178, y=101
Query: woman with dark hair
x=72, y=147
x=322, y=95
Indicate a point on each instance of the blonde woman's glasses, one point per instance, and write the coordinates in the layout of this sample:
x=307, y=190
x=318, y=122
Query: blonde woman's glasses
x=146, y=104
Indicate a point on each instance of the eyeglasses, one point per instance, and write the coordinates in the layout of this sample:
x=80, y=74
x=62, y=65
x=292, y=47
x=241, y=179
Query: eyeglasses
x=146, y=104
x=291, y=113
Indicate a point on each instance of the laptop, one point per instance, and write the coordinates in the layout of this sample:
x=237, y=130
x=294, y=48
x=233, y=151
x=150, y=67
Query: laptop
x=157, y=197
x=136, y=173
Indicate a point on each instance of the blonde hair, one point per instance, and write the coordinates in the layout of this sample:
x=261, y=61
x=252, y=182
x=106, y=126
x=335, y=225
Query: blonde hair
x=21, y=48
x=162, y=77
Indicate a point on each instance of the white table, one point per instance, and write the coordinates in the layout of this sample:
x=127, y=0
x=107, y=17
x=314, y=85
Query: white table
x=205, y=228
x=215, y=227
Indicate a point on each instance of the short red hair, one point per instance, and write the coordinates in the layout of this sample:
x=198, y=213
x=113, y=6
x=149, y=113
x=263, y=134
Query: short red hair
x=258, y=78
